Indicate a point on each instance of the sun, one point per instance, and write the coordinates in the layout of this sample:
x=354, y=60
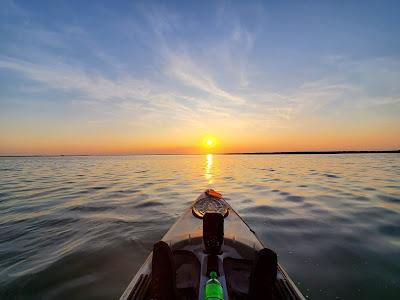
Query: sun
x=209, y=142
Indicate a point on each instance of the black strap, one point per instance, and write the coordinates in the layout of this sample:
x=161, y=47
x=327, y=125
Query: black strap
x=213, y=232
x=212, y=264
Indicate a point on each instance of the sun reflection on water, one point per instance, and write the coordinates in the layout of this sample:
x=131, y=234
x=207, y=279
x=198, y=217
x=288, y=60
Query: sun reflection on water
x=208, y=169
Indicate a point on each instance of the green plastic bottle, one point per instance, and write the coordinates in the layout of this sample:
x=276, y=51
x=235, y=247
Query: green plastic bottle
x=213, y=288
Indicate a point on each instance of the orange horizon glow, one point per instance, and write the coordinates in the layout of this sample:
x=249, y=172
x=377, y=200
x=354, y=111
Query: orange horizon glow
x=202, y=145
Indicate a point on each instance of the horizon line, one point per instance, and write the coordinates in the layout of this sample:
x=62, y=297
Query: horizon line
x=223, y=153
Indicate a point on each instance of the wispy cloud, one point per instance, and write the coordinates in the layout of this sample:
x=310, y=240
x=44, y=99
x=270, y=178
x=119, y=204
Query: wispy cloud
x=128, y=93
x=188, y=89
x=190, y=74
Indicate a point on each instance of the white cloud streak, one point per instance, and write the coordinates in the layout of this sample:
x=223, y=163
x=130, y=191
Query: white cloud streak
x=197, y=85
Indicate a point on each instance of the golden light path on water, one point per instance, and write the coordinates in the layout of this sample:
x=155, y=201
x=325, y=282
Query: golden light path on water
x=208, y=169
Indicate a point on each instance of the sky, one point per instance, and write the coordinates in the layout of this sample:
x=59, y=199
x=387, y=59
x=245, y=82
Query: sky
x=125, y=77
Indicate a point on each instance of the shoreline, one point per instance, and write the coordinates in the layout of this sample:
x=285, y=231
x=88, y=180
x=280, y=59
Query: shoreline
x=227, y=153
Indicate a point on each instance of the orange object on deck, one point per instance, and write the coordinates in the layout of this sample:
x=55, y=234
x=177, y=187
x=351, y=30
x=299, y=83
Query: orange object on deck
x=214, y=194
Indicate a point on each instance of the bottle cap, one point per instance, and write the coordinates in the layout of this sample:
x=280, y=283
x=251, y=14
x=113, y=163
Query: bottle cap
x=213, y=275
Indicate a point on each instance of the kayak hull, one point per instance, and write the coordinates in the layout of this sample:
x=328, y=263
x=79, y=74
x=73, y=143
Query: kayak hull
x=185, y=238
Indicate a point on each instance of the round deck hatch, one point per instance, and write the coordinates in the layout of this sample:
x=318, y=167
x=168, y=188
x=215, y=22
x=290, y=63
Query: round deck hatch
x=209, y=204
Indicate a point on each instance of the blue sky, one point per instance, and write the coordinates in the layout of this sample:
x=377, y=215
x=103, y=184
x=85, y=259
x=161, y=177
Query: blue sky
x=80, y=75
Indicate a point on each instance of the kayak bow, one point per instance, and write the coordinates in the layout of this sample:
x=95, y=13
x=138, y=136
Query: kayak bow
x=211, y=246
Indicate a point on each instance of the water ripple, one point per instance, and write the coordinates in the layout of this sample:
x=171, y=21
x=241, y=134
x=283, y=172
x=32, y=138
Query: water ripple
x=80, y=227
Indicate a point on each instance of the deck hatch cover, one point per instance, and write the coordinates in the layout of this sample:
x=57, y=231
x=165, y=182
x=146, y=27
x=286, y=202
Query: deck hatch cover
x=209, y=204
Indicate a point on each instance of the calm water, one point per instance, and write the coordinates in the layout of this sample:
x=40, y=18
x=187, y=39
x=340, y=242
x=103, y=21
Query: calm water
x=80, y=227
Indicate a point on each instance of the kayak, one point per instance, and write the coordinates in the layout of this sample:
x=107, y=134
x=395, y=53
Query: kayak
x=211, y=253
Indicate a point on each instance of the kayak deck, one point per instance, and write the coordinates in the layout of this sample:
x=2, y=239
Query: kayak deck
x=192, y=264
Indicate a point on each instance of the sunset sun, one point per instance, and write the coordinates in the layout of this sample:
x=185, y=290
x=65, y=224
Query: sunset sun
x=209, y=142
